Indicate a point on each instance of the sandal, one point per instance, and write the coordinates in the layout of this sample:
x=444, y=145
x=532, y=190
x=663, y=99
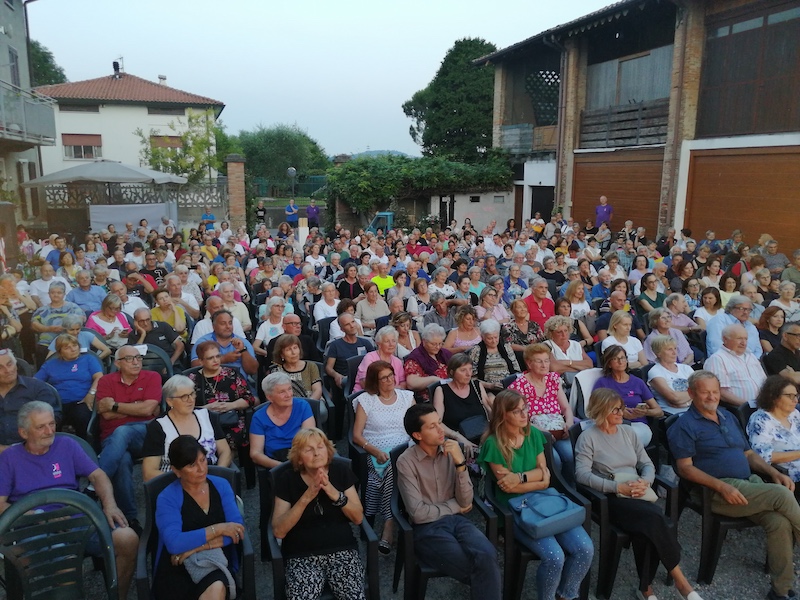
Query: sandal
x=384, y=547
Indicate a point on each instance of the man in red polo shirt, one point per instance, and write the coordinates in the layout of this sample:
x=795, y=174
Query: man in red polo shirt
x=540, y=307
x=126, y=401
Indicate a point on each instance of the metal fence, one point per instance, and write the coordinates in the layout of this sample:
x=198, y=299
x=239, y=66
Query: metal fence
x=261, y=187
x=186, y=196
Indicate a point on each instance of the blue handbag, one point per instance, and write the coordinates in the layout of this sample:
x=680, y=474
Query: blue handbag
x=545, y=513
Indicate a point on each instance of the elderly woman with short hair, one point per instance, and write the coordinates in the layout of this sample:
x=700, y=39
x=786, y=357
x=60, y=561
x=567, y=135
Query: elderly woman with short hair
x=439, y=283
x=465, y=335
x=371, y=308
x=492, y=359
x=668, y=378
x=110, y=322
x=786, y=301
x=660, y=321
x=326, y=307
x=182, y=418
x=566, y=355
x=386, y=342
x=427, y=364
x=490, y=306
x=74, y=375
x=88, y=341
x=275, y=424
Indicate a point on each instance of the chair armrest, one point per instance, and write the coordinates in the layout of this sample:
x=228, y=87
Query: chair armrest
x=489, y=516
x=599, y=503
x=278, y=567
x=671, y=507
x=248, y=568
x=373, y=569
x=501, y=508
x=142, y=580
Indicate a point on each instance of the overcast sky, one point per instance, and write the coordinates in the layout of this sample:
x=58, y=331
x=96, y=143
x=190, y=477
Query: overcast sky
x=339, y=70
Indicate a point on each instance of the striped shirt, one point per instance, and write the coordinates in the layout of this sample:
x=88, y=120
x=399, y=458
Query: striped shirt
x=742, y=374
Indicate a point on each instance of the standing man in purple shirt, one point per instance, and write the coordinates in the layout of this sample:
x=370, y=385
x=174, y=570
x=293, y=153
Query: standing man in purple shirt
x=312, y=212
x=603, y=212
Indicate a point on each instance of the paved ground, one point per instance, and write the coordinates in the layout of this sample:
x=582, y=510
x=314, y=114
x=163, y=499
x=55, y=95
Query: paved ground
x=740, y=575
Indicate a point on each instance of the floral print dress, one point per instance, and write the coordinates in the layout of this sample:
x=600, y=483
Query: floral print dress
x=768, y=435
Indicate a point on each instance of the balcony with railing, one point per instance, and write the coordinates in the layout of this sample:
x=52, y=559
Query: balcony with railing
x=26, y=119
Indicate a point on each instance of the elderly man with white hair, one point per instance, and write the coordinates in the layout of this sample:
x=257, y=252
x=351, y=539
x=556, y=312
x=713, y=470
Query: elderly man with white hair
x=737, y=311
x=740, y=373
x=204, y=326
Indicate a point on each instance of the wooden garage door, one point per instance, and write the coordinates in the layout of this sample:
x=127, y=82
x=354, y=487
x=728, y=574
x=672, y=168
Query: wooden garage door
x=630, y=179
x=756, y=190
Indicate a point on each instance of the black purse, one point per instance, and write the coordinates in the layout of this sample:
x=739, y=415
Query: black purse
x=227, y=420
x=475, y=426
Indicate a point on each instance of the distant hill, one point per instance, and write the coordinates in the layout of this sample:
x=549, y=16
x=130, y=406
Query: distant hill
x=380, y=153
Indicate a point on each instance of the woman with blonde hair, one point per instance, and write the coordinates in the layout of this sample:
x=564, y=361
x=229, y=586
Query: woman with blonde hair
x=610, y=458
x=466, y=334
x=315, y=504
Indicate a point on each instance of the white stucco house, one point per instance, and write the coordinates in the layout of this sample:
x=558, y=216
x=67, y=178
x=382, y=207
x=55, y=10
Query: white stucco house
x=97, y=118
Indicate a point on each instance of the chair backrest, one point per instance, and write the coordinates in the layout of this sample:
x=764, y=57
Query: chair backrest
x=582, y=389
x=46, y=549
x=507, y=381
x=155, y=360
x=432, y=388
x=352, y=369
x=86, y=446
x=744, y=413
x=397, y=498
x=324, y=326
x=25, y=368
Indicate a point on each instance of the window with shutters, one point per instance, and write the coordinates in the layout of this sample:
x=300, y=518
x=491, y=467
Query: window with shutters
x=81, y=146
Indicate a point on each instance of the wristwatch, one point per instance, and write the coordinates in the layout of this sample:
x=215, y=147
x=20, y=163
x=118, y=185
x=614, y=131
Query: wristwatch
x=115, y=407
x=461, y=464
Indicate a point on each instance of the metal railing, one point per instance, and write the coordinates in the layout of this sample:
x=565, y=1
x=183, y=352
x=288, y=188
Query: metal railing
x=26, y=117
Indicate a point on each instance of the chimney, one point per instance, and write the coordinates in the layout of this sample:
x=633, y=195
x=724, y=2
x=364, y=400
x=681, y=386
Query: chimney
x=162, y=80
x=115, y=64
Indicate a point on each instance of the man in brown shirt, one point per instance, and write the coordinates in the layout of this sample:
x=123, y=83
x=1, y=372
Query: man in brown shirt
x=437, y=492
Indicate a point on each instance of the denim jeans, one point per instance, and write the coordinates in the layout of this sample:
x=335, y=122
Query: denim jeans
x=566, y=558
x=564, y=460
x=455, y=546
x=116, y=459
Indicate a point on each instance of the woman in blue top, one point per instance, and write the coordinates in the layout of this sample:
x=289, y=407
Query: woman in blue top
x=74, y=375
x=197, y=519
x=275, y=424
x=514, y=453
x=639, y=401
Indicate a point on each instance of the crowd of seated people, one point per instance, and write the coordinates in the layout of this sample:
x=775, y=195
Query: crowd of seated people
x=452, y=317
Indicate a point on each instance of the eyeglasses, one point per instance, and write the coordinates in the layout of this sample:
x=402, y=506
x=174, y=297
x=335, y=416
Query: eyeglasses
x=742, y=308
x=622, y=358
x=389, y=377
x=130, y=359
x=430, y=343
x=793, y=333
x=790, y=395
x=518, y=412
x=143, y=320
x=185, y=397
x=212, y=357
x=617, y=410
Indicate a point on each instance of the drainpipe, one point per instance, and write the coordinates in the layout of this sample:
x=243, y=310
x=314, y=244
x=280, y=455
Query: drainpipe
x=562, y=99
x=30, y=83
x=682, y=15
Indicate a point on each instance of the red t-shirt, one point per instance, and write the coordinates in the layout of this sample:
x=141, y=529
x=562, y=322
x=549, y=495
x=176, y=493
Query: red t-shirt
x=146, y=387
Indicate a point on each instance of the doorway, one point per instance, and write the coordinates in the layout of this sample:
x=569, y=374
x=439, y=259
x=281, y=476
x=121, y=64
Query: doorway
x=542, y=201
x=447, y=210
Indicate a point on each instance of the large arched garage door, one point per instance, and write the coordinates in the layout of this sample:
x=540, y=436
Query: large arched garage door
x=756, y=190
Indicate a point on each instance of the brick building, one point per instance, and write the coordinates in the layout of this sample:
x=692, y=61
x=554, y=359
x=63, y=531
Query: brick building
x=683, y=113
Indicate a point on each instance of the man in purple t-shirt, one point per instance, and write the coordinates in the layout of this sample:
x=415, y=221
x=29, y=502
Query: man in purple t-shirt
x=44, y=461
x=603, y=212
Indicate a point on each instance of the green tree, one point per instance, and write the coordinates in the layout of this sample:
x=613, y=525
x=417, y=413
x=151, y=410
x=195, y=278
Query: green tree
x=270, y=151
x=44, y=69
x=452, y=116
x=187, y=149
x=225, y=144
x=365, y=182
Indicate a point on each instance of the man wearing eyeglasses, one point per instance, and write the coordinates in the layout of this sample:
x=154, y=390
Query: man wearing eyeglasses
x=126, y=401
x=737, y=311
x=158, y=333
x=785, y=359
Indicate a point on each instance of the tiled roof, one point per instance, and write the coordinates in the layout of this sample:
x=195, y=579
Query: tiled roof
x=124, y=88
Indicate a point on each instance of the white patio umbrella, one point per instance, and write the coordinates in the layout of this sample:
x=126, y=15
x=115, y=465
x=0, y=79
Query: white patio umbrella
x=105, y=171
